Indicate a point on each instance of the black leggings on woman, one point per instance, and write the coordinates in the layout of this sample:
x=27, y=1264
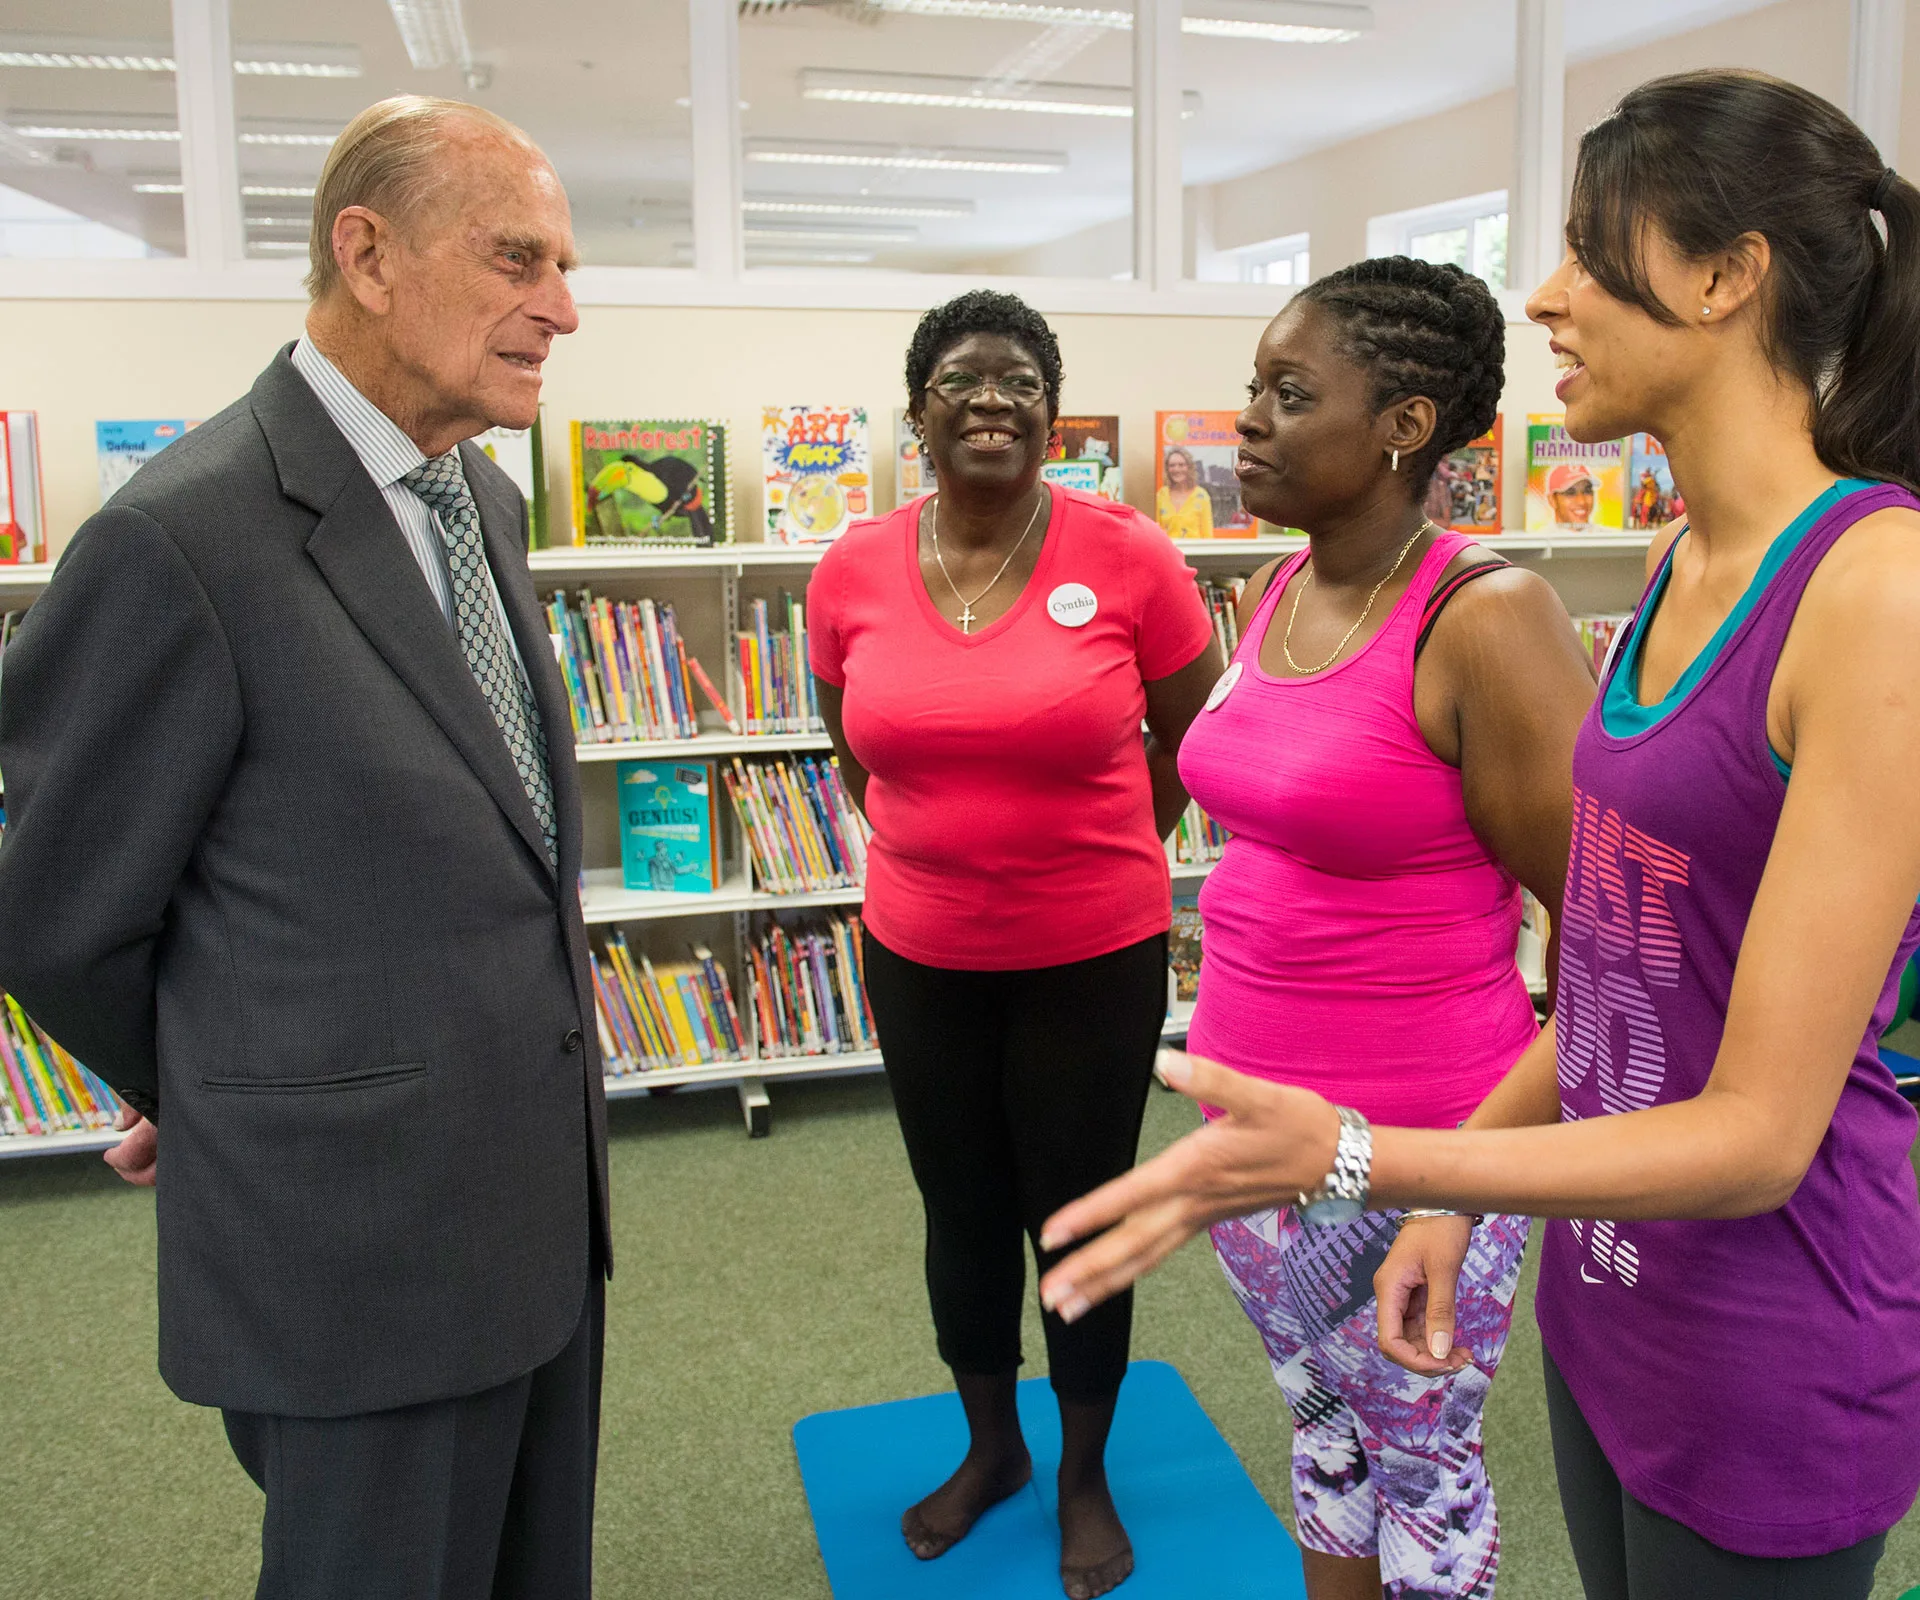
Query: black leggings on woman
x=1627, y=1551
x=1017, y=1092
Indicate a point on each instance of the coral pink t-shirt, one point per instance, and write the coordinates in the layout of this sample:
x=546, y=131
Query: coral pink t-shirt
x=1008, y=791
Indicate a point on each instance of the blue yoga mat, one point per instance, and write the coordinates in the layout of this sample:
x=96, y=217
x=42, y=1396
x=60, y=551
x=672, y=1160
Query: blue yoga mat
x=1200, y=1530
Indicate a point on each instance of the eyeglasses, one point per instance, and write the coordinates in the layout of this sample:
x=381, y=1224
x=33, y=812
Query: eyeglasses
x=1020, y=388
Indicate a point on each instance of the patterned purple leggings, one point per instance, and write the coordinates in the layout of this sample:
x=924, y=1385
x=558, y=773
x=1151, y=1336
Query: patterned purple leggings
x=1385, y=1462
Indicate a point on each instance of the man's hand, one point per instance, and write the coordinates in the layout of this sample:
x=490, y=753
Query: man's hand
x=1272, y=1142
x=136, y=1157
x=1414, y=1295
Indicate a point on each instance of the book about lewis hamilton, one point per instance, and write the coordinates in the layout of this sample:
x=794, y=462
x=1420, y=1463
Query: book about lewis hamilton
x=818, y=465
x=668, y=839
x=650, y=483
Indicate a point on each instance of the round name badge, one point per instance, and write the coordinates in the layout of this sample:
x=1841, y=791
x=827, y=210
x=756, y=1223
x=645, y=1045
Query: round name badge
x=1072, y=605
x=1223, y=686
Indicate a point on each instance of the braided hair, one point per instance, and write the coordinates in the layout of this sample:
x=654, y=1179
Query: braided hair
x=1422, y=328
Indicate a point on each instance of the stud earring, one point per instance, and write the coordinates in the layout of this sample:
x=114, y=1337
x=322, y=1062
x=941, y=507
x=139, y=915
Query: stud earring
x=1706, y=311
x=1396, y=461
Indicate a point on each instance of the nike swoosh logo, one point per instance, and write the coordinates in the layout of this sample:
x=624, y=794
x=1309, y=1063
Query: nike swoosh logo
x=1585, y=1279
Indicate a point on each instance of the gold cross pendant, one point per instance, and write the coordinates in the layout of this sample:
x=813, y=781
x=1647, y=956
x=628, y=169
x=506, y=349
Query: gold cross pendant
x=966, y=617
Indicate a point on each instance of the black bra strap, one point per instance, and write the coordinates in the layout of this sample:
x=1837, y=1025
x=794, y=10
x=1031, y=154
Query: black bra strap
x=1445, y=591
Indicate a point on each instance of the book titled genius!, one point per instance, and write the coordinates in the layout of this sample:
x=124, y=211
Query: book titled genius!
x=668, y=841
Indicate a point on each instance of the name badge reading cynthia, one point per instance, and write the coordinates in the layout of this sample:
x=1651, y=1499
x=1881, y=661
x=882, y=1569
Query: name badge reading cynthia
x=1072, y=605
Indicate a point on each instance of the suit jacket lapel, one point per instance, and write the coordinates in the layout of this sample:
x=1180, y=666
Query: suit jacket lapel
x=364, y=558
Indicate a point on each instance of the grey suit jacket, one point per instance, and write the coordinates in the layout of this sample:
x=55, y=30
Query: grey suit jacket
x=269, y=871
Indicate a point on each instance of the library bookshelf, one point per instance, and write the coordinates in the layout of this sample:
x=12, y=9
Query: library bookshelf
x=709, y=588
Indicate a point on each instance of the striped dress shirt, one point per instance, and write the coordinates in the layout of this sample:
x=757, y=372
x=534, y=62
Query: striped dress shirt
x=389, y=455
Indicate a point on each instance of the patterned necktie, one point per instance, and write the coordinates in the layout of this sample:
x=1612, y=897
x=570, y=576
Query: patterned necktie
x=442, y=484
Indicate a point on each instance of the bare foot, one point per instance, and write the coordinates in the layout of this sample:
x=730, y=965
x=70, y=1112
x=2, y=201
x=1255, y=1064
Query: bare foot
x=1095, y=1554
x=945, y=1517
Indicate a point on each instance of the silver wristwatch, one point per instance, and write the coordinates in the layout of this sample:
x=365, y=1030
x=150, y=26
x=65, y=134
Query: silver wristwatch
x=1343, y=1196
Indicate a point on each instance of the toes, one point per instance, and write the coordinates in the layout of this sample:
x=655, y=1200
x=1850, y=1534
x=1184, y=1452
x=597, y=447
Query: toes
x=1086, y=1583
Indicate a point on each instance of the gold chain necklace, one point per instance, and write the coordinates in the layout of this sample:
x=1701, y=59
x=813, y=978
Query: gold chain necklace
x=1286, y=639
x=966, y=605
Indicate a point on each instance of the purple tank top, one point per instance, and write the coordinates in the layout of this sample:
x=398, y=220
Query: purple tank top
x=1756, y=1380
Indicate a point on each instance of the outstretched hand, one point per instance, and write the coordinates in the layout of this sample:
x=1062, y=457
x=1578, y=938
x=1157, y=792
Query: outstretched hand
x=136, y=1157
x=1270, y=1143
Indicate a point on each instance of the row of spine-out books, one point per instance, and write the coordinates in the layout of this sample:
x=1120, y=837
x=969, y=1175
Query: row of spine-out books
x=808, y=984
x=801, y=829
x=43, y=1089
x=1597, y=634
x=629, y=673
x=1197, y=838
x=776, y=682
x=677, y=1014
x=1223, y=600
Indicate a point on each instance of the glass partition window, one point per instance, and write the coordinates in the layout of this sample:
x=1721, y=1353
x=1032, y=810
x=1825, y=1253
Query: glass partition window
x=1470, y=234
x=938, y=136
x=601, y=85
x=90, y=136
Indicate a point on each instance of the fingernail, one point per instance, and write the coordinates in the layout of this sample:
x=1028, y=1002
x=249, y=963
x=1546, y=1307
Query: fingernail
x=1051, y=1241
x=1440, y=1342
x=1073, y=1309
x=1049, y=1298
x=1176, y=1067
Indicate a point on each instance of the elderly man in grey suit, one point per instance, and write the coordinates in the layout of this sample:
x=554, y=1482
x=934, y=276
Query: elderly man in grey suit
x=292, y=864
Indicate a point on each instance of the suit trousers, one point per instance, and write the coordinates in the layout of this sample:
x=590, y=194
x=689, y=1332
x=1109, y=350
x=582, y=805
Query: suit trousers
x=486, y=1496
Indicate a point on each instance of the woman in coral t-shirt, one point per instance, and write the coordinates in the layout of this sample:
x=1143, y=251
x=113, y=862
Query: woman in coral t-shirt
x=985, y=657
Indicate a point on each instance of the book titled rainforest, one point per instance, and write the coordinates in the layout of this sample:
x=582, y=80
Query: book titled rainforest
x=818, y=471
x=1465, y=492
x=23, y=512
x=650, y=483
x=1572, y=487
x=1084, y=454
x=668, y=839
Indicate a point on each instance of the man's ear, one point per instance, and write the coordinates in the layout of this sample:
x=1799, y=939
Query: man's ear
x=363, y=244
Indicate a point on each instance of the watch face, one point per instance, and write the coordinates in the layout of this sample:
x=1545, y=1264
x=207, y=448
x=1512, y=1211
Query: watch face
x=1331, y=1212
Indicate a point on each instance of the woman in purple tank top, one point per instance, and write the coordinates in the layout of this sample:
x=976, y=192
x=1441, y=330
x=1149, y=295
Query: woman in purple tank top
x=1734, y=1348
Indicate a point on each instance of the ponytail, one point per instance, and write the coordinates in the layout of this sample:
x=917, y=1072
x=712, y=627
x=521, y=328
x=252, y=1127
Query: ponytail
x=1711, y=156
x=1867, y=423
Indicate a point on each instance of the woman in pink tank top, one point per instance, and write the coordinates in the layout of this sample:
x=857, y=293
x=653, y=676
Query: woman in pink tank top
x=1389, y=777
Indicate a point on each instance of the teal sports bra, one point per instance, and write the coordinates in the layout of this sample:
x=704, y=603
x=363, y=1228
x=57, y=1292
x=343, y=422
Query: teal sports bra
x=1621, y=713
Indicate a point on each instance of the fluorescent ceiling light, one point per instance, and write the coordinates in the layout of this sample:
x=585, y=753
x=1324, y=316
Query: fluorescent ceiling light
x=973, y=94
x=809, y=258
x=1274, y=21
x=919, y=158
x=159, y=188
x=280, y=222
x=277, y=191
x=821, y=234
x=861, y=206
x=90, y=135
x=319, y=141
x=434, y=33
x=148, y=55
x=285, y=247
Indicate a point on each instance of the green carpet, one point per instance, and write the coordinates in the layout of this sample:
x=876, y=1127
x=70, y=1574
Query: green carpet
x=759, y=1281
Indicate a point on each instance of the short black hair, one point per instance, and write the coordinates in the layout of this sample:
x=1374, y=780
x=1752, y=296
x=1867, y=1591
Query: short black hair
x=983, y=311
x=1422, y=328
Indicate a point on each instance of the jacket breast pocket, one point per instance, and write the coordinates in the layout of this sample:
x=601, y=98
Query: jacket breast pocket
x=329, y=1083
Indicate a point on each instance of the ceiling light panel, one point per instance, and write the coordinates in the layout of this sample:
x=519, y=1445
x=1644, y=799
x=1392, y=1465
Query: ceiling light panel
x=433, y=31
x=901, y=157
x=1271, y=21
x=973, y=94
x=821, y=233
x=853, y=206
x=74, y=53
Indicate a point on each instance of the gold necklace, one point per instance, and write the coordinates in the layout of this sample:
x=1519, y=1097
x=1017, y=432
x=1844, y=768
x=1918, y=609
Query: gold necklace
x=966, y=605
x=1286, y=639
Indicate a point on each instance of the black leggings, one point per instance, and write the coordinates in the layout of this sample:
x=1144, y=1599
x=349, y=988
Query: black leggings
x=1017, y=1092
x=1627, y=1552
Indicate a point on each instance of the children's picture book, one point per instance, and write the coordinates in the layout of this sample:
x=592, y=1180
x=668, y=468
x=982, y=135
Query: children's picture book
x=125, y=447
x=1465, y=493
x=1094, y=444
x=1652, y=500
x=668, y=841
x=23, y=514
x=520, y=453
x=818, y=464
x=650, y=483
x=1572, y=487
x=912, y=470
x=1183, y=950
x=1195, y=492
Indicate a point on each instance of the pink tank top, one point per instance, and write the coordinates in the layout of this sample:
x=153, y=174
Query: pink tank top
x=1357, y=939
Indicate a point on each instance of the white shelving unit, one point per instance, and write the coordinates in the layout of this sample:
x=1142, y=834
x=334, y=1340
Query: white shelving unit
x=14, y=1146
